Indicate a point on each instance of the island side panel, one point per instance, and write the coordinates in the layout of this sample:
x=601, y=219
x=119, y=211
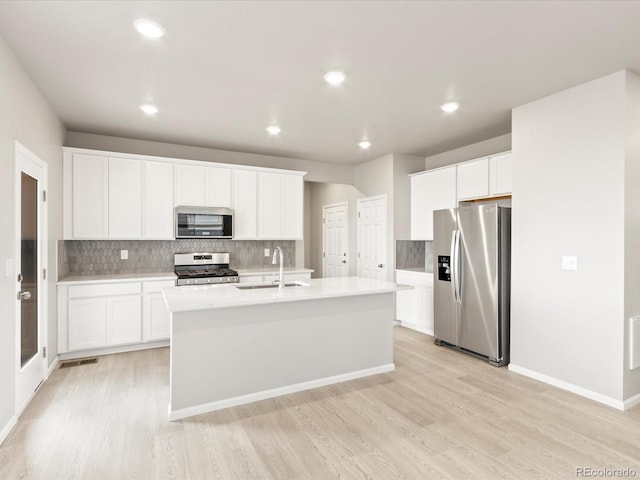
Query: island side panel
x=219, y=356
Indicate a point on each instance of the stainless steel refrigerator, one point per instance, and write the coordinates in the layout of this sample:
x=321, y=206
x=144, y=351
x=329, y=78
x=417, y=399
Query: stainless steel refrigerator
x=472, y=263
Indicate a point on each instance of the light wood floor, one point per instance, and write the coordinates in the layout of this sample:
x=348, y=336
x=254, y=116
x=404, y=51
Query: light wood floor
x=440, y=415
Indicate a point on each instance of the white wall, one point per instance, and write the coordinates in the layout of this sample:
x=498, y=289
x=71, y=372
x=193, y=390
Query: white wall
x=317, y=171
x=470, y=152
x=632, y=225
x=326, y=194
x=24, y=116
x=568, y=199
x=403, y=165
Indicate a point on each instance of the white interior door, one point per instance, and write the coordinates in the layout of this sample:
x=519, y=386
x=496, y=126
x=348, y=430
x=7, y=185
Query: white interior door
x=372, y=237
x=335, y=240
x=30, y=262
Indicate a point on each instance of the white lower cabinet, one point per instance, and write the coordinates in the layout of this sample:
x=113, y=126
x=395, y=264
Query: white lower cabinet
x=93, y=316
x=87, y=323
x=156, y=319
x=414, y=308
x=124, y=319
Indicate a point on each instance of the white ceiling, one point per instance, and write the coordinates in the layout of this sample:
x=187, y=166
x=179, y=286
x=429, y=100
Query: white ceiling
x=226, y=70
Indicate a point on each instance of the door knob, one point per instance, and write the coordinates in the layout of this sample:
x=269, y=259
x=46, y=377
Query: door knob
x=24, y=295
x=344, y=261
x=380, y=265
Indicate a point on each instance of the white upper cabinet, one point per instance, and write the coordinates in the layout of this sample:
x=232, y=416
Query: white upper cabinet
x=245, y=204
x=157, y=196
x=293, y=203
x=189, y=185
x=444, y=189
x=500, y=174
x=432, y=190
x=217, y=191
x=201, y=186
x=132, y=197
x=125, y=198
x=270, y=206
x=473, y=179
x=90, y=194
x=422, y=206
x=280, y=206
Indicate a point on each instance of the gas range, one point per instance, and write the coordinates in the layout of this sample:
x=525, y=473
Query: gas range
x=203, y=269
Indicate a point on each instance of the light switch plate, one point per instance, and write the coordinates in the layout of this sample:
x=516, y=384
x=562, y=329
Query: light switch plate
x=266, y=252
x=569, y=263
x=124, y=254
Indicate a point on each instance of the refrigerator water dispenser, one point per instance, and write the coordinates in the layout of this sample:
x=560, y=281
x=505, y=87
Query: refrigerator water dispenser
x=444, y=272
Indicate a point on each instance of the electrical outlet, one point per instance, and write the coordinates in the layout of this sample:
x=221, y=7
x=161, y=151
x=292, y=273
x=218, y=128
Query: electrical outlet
x=124, y=254
x=266, y=252
x=569, y=263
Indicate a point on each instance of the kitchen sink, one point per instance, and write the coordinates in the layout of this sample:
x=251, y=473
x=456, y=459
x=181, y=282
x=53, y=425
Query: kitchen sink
x=270, y=285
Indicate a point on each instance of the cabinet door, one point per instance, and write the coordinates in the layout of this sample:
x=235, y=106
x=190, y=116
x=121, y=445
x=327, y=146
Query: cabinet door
x=407, y=307
x=427, y=308
x=293, y=201
x=500, y=174
x=473, y=179
x=157, y=208
x=125, y=198
x=444, y=189
x=253, y=279
x=422, y=206
x=87, y=326
x=90, y=198
x=217, y=191
x=124, y=319
x=189, y=185
x=245, y=213
x=270, y=205
x=156, y=318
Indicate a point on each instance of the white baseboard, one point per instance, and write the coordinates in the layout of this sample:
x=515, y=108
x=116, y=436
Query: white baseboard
x=417, y=328
x=632, y=402
x=94, y=352
x=570, y=387
x=275, y=392
x=53, y=366
x=6, y=430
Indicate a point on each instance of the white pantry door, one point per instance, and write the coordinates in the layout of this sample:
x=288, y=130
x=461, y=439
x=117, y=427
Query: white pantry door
x=372, y=237
x=30, y=263
x=335, y=240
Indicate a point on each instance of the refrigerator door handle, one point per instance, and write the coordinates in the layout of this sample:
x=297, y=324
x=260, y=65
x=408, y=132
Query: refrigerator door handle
x=454, y=288
x=456, y=268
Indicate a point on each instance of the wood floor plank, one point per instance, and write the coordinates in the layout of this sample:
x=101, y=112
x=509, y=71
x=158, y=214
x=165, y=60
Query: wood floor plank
x=439, y=415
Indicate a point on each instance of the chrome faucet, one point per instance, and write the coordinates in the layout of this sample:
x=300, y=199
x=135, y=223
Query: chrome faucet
x=273, y=262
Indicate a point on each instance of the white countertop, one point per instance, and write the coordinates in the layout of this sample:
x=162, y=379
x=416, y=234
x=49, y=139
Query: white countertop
x=188, y=298
x=268, y=270
x=415, y=270
x=116, y=278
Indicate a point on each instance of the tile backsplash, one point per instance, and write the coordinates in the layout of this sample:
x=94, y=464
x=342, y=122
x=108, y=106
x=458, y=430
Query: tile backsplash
x=102, y=257
x=414, y=254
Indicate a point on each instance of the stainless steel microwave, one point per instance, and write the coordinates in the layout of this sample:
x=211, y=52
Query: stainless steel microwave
x=204, y=222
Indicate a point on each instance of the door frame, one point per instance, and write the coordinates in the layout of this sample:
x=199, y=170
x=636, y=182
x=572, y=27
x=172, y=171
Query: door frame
x=43, y=262
x=359, y=202
x=324, y=233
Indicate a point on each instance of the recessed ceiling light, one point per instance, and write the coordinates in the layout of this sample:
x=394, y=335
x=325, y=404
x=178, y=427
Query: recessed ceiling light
x=449, y=107
x=149, y=109
x=273, y=129
x=149, y=28
x=335, y=77
x=364, y=144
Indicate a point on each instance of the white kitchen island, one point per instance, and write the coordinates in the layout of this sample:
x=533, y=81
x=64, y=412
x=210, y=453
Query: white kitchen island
x=231, y=346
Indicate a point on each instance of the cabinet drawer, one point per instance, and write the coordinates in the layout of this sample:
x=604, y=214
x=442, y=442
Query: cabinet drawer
x=104, y=290
x=154, y=287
